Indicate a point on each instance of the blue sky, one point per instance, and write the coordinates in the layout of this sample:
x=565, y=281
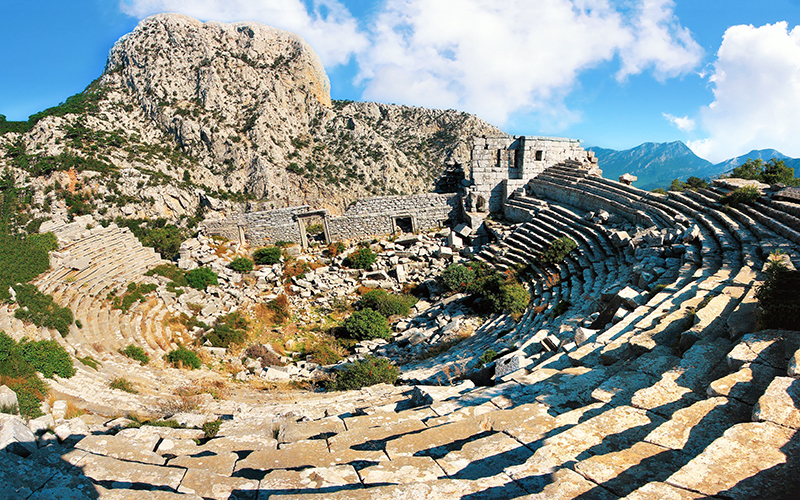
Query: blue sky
x=721, y=75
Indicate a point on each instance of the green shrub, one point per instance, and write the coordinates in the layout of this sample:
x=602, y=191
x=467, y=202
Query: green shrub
x=457, y=277
x=47, y=357
x=136, y=353
x=41, y=309
x=212, y=428
x=229, y=329
x=184, y=358
x=171, y=271
x=314, y=229
x=19, y=363
x=504, y=294
x=778, y=298
x=335, y=249
x=164, y=238
x=201, y=278
x=364, y=373
x=367, y=324
x=560, y=308
x=267, y=256
x=744, y=194
x=123, y=385
x=22, y=259
x=387, y=304
x=362, y=258
x=487, y=357
x=557, y=251
x=241, y=265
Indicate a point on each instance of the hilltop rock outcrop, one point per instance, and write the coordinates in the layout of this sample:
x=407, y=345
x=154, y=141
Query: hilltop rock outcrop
x=233, y=112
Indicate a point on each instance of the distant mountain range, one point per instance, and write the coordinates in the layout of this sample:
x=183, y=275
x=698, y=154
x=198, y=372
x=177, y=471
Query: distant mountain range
x=657, y=164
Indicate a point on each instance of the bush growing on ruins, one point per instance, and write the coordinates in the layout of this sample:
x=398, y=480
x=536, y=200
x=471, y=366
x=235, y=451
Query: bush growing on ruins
x=362, y=258
x=184, y=358
x=22, y=259
x=136, y=353
x=164, y=238
x=457, y=277
x=172, y=272
x=314, y=229
x=386, y=304
x=335, y=249
x=201, y=278
x=364, y=373
x=744, y=194
x=19, y=363
x=294, y=268
x=367, y=324
x=229, y=329
x=778, y=298
x=557, y=251
x=560, y=308
x=267, y=256
x=41, y=309
x=277, y=309
x=502, y=294
x=241, y=265
x=212, y=428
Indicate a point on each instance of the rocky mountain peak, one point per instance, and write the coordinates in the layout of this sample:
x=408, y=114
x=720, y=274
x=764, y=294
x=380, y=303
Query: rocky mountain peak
x=196, y=112
x=173, y=57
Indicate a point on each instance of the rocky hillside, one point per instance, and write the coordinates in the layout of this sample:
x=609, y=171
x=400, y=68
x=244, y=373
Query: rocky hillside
x=189, y=113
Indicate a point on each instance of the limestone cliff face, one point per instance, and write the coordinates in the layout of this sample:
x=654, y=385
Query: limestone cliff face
x=245, y=108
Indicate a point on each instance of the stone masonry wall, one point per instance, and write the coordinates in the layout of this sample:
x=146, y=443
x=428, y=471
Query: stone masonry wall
x=365, y=218
x=502, y=164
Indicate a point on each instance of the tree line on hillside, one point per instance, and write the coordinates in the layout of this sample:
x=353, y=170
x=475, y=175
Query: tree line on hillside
x=773, y=171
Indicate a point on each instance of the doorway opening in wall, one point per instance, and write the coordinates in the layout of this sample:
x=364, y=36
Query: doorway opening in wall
x=539, y=155
x=404, y=224
x=314, y=228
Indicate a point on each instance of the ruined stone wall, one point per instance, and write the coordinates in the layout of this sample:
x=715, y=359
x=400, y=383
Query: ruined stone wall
x=502, y=164
x=364, y=219
x=376, y=216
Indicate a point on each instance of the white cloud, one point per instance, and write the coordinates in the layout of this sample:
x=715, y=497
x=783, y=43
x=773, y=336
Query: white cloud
x=497, y=58
x=658, y=41
x=756, y=83
x=492, y=58
x=685, y=124
x=329, y=27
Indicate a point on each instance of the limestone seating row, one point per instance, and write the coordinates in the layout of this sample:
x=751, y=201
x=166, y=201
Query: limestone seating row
x=664, y=217
x=650, y=427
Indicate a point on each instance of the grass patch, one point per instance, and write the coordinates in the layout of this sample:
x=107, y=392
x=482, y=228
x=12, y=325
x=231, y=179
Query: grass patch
x=90, y=362
x=123, y=385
